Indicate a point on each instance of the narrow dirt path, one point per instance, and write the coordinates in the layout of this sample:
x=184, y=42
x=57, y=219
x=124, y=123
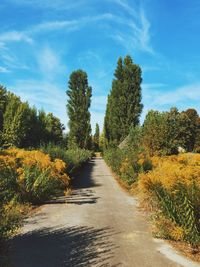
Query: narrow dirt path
x=98, y=225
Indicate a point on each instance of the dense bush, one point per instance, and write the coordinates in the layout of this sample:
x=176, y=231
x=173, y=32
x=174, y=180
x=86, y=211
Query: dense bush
x=174, y=189
x=127, y=163
x=27, y=177
x=35, y=177
x=74, y=158
x=164, y=132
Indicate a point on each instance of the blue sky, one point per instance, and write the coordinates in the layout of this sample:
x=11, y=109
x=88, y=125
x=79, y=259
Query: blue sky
x=43, y=41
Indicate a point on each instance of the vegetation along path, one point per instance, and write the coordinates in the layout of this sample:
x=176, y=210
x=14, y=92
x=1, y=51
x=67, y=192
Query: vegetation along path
x=97, y=225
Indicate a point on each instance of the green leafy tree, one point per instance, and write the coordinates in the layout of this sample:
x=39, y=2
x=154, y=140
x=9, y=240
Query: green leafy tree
x=3, y=102
x=54, y=129
x=192, y=126
x=154, y=131
x=96, y=137
x=124, y=102
x=15, y=126
x=79, y=93
x=197, y=139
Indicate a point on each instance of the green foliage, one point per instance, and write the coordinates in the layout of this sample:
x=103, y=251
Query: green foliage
x=3, y=103
x=10, y=218
x=40, y=186
x=164, y=132
x=96, y=138
x=154, y=132
x=79, y=93
x=74, y=158
x=23, y=126
x=126, y=162
x=124, y=101
x=113, y=158
x=180, y=209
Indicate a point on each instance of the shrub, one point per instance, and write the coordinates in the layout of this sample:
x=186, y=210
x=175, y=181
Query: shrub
x=27, y=176
x=74, y=158
x=175, y=185
x=10, y=217
x=38, y=177
x=127, y=163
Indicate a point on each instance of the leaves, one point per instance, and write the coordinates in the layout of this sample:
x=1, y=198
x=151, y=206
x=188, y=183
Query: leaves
x=79, y=93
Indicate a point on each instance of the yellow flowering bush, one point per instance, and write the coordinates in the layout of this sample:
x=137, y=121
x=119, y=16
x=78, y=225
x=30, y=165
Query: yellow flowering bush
x=174, y=183
x=36, y=176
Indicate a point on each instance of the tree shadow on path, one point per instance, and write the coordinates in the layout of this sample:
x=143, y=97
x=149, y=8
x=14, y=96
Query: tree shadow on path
x=71, y=247
x=83, y=186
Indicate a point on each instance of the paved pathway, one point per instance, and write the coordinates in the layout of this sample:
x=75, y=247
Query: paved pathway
x=98, y=225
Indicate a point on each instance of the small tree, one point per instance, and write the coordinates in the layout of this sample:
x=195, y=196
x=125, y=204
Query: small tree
x=96, y=137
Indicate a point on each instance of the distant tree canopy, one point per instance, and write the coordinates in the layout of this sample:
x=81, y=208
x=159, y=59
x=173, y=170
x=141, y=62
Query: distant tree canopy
x=164, y=132
x=23, y=126
x=124, y=102
x=79, y=93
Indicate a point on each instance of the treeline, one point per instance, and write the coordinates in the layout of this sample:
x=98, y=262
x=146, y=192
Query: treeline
x=24, y=126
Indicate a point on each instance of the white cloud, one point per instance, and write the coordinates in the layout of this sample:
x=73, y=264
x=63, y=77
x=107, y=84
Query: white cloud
x=182, y=94
x=158, y=97
x=50, y=4
x=137, y=35
x=69, y=25
x=125, y=5
x=50, y=97
x=49, y=63
x=3, y=70
x=144, y=36
x=15, y=36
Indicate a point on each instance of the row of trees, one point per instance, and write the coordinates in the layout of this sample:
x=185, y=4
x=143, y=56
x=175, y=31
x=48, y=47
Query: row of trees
x=25, y=126
x=161, y=133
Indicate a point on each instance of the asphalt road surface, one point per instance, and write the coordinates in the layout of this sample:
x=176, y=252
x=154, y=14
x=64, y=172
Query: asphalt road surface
x=99, y=225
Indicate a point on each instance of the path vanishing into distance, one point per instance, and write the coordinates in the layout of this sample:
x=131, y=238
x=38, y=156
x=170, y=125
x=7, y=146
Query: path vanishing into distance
x=99, y=224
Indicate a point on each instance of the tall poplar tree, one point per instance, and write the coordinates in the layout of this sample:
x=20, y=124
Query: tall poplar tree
x=79, y=93
x=124, y=102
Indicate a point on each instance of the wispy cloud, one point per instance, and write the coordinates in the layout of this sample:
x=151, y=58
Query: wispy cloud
x=157, y=96
x=26, y=35
x=3, y=70
x=137, y=35
x=49, y=4
x=125, y=5
x=188, y=93
x=154, y=97
x=144, y=36
x=15, y=36
x=46, y=95
x=49, y=63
